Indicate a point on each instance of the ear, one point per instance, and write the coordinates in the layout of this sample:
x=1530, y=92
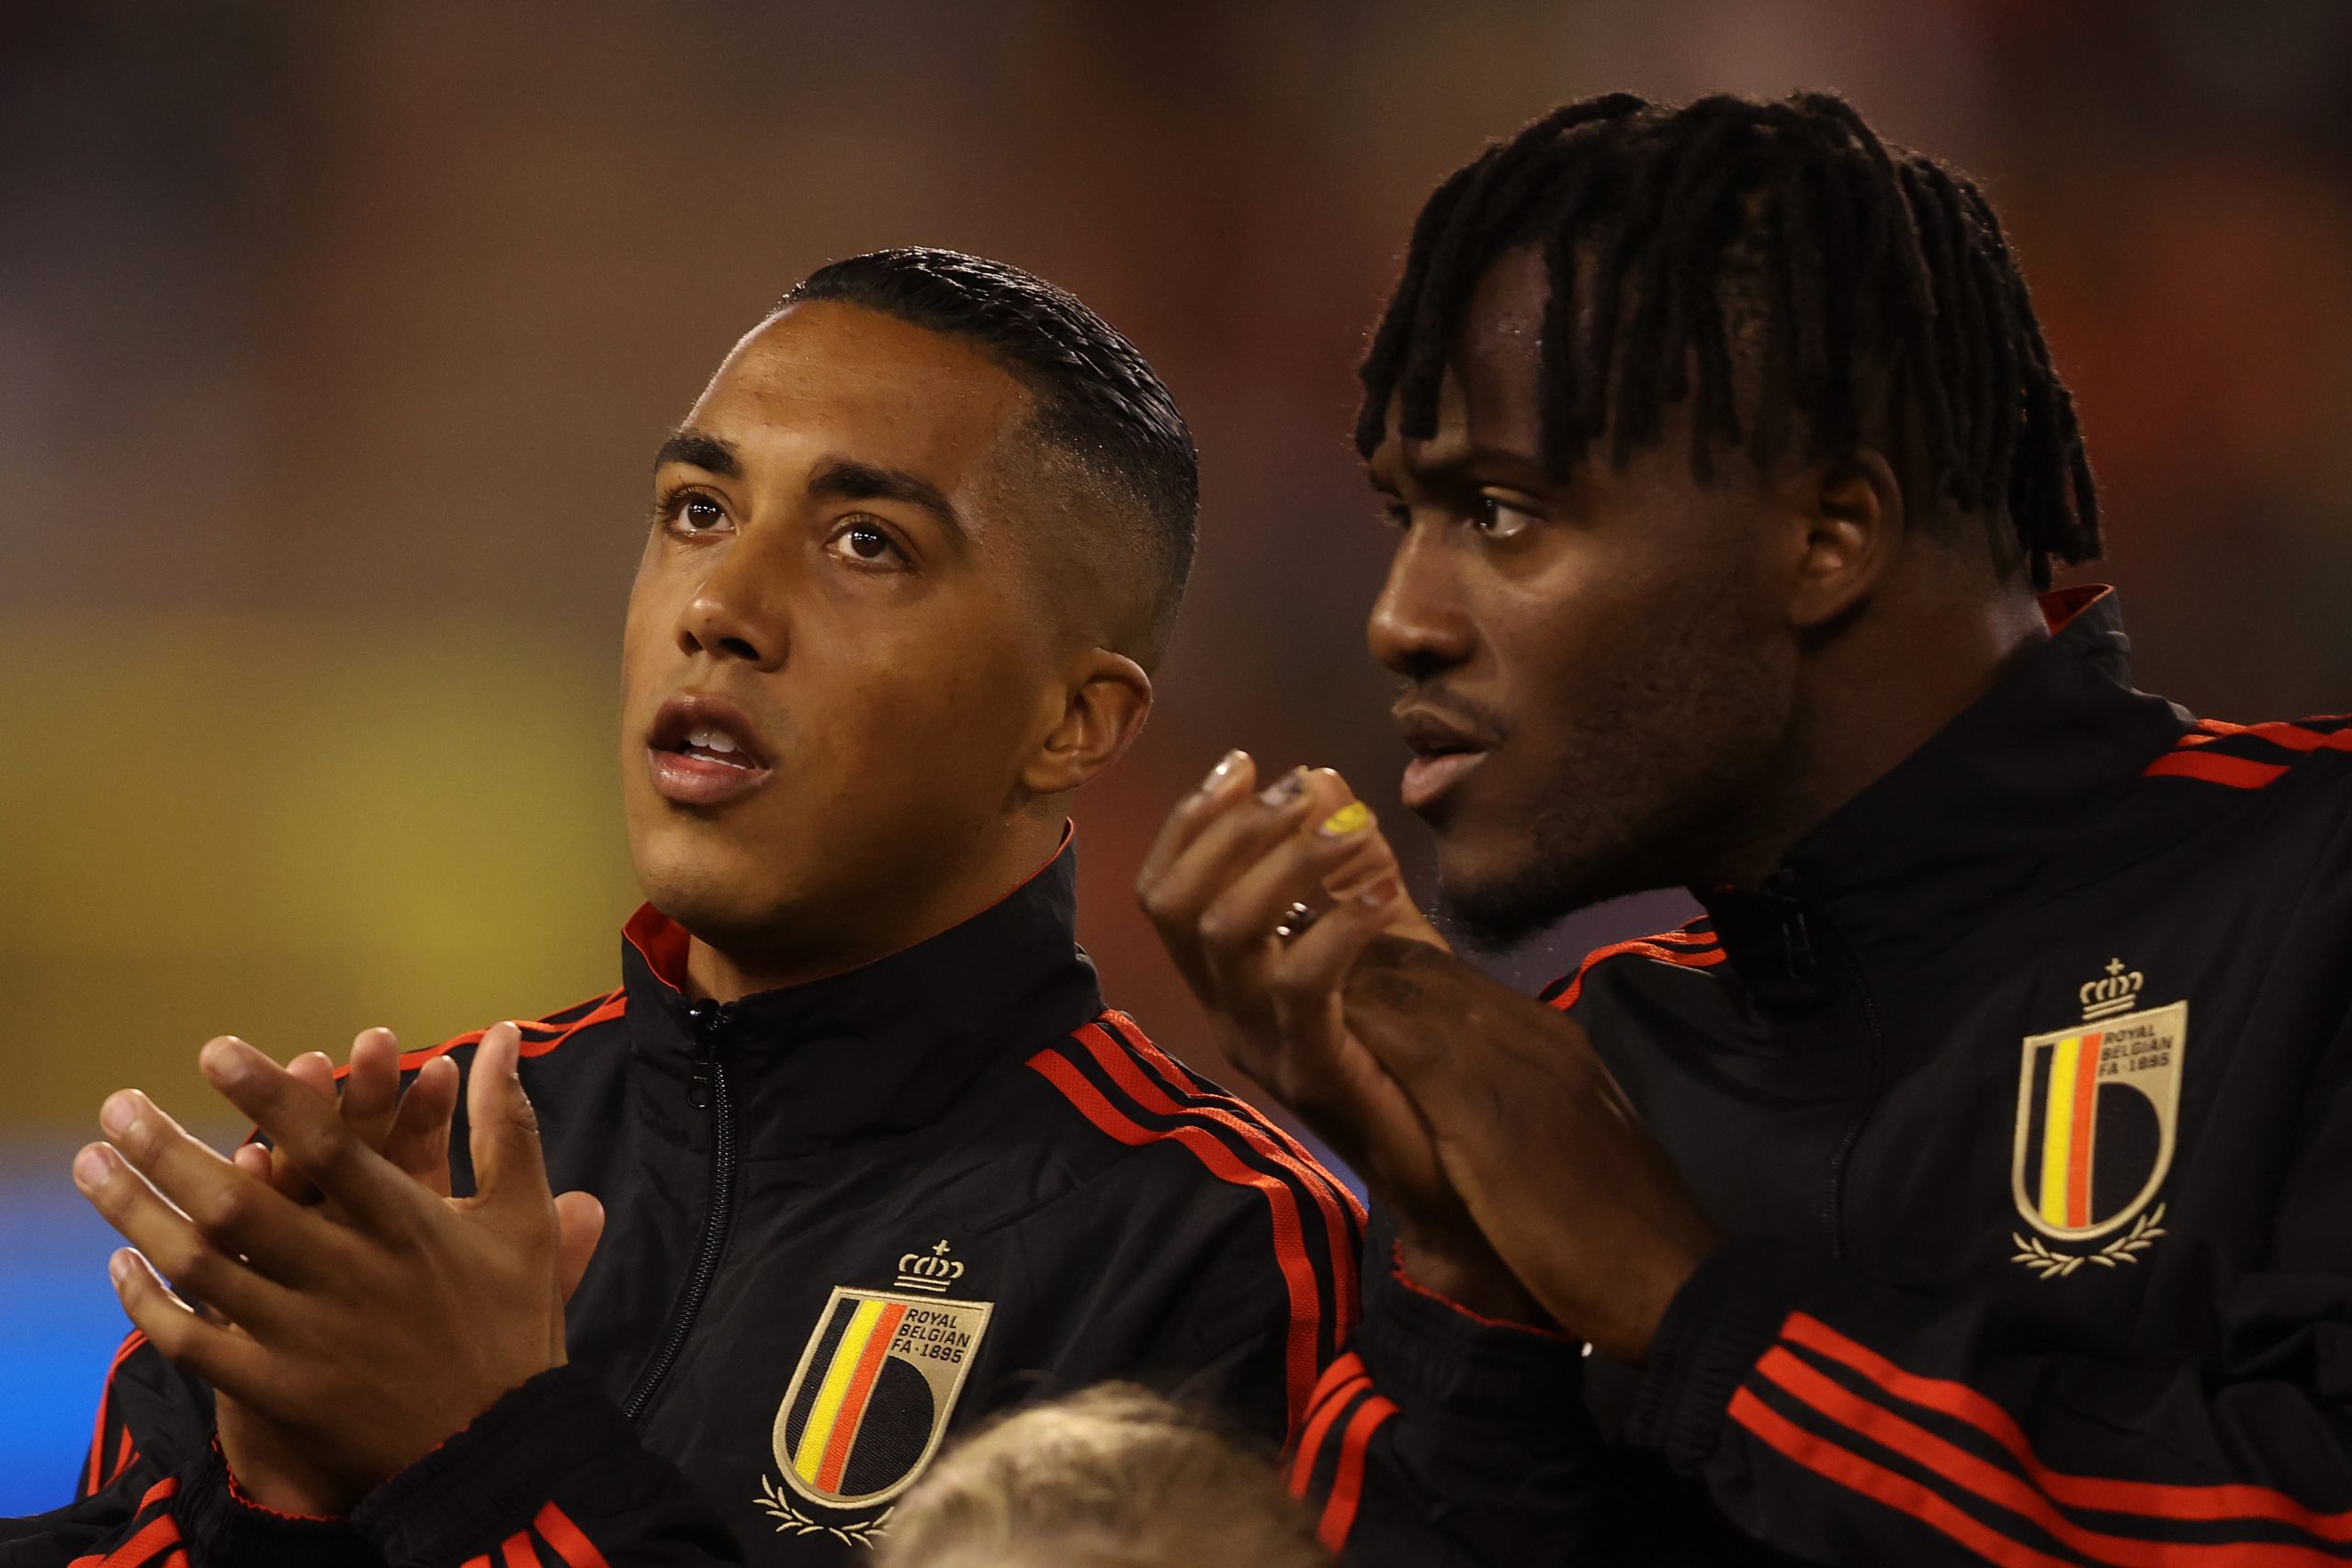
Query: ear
x=1107, y=698
x=1847, y=525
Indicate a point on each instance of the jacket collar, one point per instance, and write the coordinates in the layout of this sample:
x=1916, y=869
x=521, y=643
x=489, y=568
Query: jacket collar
x=1965, y=825
x=887, y=1047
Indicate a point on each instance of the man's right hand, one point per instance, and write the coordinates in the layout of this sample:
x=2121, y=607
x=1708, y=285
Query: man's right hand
x=1229, y=869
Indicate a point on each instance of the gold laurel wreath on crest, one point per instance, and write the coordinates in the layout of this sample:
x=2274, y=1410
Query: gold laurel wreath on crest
x=2048, y=1264
x=778, y=1503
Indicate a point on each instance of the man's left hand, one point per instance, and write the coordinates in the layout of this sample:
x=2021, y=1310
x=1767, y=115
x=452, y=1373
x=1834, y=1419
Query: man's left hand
x=1542, y=1146
x=373, y=1334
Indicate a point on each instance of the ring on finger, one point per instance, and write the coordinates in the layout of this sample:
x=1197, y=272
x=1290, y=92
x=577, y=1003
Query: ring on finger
x=1294, y=922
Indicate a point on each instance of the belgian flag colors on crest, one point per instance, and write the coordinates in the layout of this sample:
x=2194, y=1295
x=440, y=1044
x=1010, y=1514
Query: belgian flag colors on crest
x=870, y=1400
x=2095, y=1112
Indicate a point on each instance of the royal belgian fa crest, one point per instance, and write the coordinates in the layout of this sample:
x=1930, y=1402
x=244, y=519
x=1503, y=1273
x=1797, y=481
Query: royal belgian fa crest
x=2097, y=1108
x=869, y=1402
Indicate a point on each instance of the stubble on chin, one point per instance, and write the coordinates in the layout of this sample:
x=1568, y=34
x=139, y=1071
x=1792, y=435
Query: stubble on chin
x=1655, y=810
x=1505, y=909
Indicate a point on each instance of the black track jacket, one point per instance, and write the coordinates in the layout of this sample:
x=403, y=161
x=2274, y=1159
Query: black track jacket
x=2024, y=1091
x=846, y=1219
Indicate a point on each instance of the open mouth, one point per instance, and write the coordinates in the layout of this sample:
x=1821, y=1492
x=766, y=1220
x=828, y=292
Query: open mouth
x=713, y=744
x=703, y=752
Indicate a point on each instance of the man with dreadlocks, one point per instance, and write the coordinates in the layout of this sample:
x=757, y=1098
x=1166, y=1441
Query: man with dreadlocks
x=1968, y=1183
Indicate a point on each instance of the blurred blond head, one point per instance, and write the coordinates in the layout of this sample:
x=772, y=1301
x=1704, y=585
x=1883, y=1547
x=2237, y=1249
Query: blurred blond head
x=1111, y=1478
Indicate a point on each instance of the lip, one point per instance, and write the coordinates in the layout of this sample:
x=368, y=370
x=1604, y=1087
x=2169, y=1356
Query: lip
x=1446, y=751
x=701, y=780
x=1428, y=779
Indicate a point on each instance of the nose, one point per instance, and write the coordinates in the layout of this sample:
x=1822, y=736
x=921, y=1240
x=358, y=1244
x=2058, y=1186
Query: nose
x=738, y=609
x=1421, y=626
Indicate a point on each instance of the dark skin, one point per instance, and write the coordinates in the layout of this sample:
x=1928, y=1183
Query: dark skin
x=857, y=573
x=1658, y=684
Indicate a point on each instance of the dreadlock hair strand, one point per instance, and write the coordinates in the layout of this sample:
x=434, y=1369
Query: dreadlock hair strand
x=1769, y=266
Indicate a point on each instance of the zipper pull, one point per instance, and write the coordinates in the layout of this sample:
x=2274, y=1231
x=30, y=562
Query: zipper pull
x=711, y=1021
x=1800, y=961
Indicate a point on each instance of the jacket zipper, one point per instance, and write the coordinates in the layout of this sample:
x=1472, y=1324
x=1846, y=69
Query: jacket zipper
x=1850, y=968
x=708, y=1088
x=1810, y=949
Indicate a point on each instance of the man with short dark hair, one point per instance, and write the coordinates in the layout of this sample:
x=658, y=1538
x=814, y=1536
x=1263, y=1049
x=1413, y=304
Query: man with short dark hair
x=1968, y=1184
x=870, y=1156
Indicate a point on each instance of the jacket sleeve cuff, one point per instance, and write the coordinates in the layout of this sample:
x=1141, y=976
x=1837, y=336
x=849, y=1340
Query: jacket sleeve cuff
x=1718, y=1326
x=490, y=1479
x=1438, y=1360
x=220, y=1525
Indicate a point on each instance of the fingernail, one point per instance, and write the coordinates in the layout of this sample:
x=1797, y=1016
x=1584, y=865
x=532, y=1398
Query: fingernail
x=1222, y=772
x=1381, y=893
x=231, y=1062
x=90, y=1169
x=119, y=1114
x=1353, y=818
x=119, y=1267
x=1284, y=790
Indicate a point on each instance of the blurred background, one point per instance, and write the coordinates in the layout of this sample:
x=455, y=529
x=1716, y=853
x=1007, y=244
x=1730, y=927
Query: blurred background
x=336, y=341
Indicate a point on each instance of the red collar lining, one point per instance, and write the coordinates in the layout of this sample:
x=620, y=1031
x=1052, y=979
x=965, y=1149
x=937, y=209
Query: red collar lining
x=663, y=941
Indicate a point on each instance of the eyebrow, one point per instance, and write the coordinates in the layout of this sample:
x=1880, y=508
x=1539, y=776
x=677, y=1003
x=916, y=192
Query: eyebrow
x=836, y=478
x=1453, y=466
x=702, y=451
x=845, y=479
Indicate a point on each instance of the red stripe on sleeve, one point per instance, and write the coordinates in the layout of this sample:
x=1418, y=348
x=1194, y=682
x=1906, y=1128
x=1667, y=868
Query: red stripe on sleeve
x=1956, y=1465
x=98, y=1473
x=1262, y=1136
x=2161, y=1500
x=1858, y=1474
x=2295, y=737
x=556, y=1529
x=1343, y=1369
x=159, y=1493
x=1300, y=1354
x=90, y=1467
x=153, y=1538
x=1342, y=1380
x=1347, y=1486
x=1318, y=1183
x=517, y=1552
x=1131, y=1033
x=2212, y=767
x=610, y=1006
x=1650, y=947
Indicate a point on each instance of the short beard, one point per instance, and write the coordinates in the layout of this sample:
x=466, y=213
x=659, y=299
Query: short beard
x=1554, y=881
x=1659, y=796
x=1495, y=920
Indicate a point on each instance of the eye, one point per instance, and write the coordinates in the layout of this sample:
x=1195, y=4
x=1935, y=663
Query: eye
x=865, y=543
x=1498, y=517
x=690, y=511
